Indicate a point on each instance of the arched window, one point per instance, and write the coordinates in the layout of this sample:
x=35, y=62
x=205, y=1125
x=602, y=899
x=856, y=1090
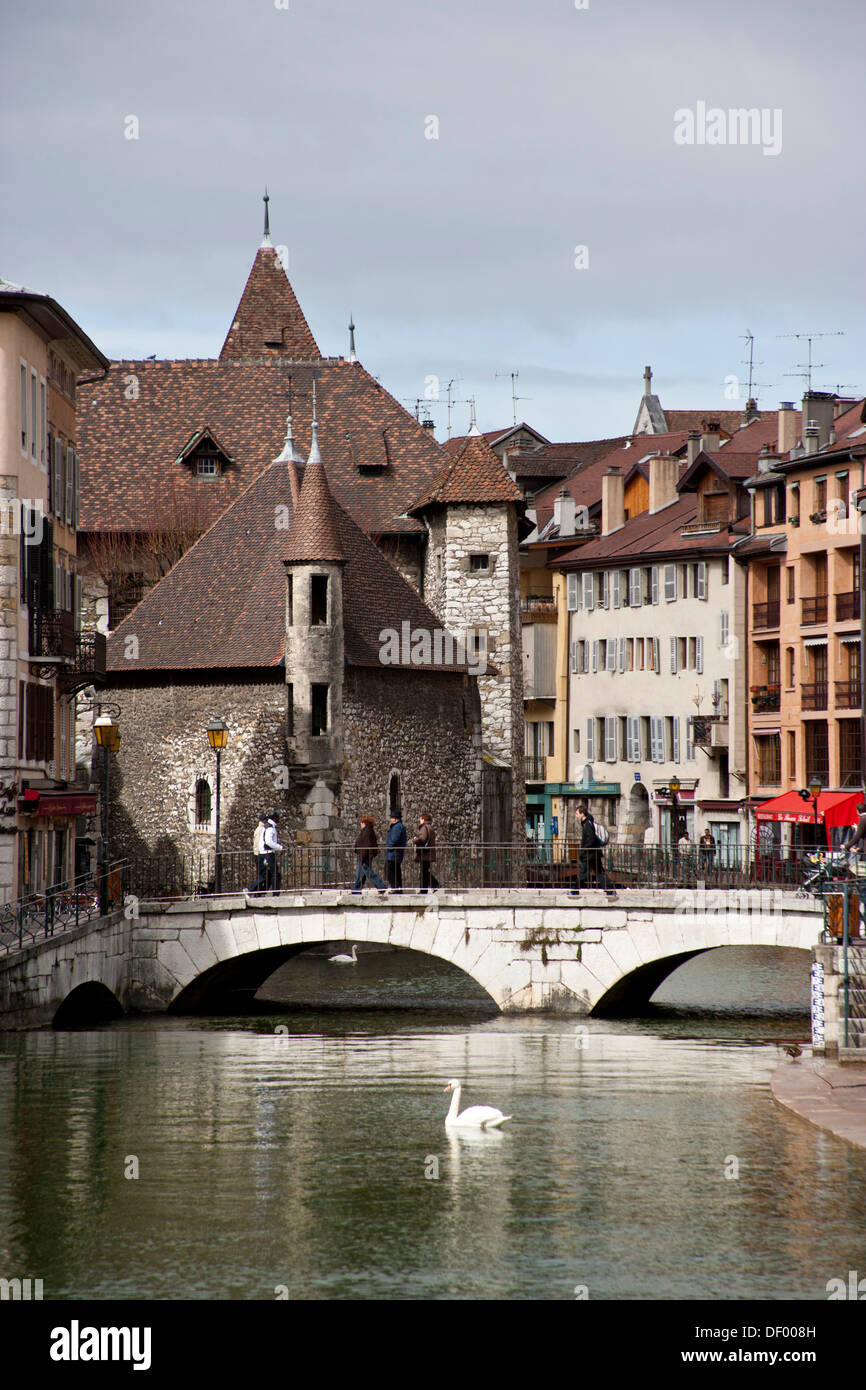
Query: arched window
x=202, y=804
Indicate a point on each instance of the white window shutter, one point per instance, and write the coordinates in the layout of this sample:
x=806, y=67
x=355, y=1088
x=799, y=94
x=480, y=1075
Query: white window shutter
x=57, y=498
x=654, y=584
x=673, y=656
x=595, y=654
x=633, y=739
x=699, y=654
x=675, y=738
x=656, y=740
x=571, y=601
x=690, y=747
x=615, y=581
x=574, y=657
x=590, y=740
x=610, y=654
x=670, y=583
x=724, y=628
x=634, y=595
x=605, y=589
x=656, y=656
x=702, y=579
x=621, y=661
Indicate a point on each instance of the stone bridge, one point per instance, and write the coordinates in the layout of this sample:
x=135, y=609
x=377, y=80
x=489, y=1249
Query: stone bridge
x=528, y=949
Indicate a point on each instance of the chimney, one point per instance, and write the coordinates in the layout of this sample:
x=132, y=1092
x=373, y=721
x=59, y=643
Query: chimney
x=612, y=501
x=750, y=413
x=563, y=512
x=710, y=438
x=812, y=437
x=787, y=426
x=819, y=408
x=664, y=472
x=767, y=458
x=693, y=446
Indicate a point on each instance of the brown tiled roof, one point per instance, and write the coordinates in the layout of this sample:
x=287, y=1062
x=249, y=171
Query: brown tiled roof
x=223, y=604
x=558, y=460
x=730, y=420
x=752, y=437
x=453, y=446
x=584, y=482
x=315, y=531
x=651, y=533
x=475, y=474
x=269, y=321
x=133, y=425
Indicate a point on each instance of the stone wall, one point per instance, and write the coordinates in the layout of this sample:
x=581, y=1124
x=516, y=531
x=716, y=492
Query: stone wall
x=427, y=730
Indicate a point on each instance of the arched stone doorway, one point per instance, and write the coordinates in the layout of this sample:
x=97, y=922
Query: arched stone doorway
x=637, y=814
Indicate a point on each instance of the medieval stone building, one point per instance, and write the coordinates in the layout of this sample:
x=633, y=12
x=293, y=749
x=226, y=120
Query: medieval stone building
x=171, y=448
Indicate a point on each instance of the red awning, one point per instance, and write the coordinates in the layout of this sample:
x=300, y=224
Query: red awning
x=41, y=803
x=834, y=808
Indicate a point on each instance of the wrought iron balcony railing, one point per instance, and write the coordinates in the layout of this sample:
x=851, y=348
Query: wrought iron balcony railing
x=813, y=610
x=814, y=695
x=766, y=614
x=848, y=606
x=848, y=694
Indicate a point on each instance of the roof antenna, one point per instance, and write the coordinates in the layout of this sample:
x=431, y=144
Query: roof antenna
x=315, y=455
x=266, y=239
x=353, y=357
x=514, y=397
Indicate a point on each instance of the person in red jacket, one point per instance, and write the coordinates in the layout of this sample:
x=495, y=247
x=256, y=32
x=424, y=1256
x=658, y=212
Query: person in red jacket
x=366, y=848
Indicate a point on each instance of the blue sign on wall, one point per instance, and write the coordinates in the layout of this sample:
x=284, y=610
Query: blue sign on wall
x=554, y=825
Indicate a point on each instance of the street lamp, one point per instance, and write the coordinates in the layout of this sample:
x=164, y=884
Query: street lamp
x=108, y=738
x=674, y=789
x=218, y=737
x=816, y=786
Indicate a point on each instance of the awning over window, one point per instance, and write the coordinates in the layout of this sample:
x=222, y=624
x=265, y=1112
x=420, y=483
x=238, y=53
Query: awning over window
x=850, y=637
x=815, y=642
x=834, y=808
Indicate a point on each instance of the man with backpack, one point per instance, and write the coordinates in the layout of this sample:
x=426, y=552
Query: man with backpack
x=592, y=844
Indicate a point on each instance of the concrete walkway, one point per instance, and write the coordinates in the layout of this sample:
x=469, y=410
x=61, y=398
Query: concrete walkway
x=828, y=1095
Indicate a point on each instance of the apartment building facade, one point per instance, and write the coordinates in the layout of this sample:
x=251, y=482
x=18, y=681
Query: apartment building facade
x=44, y=662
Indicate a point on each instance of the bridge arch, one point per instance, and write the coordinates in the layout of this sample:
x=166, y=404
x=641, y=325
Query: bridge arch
x=88, y=1003
x=633, y=991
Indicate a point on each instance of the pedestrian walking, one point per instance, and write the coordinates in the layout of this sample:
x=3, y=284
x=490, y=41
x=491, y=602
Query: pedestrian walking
x=707, y=852
x=259, y=855
x=366, y=849
x=273, y=876
x=424, y=841
x=592, y=873
x=395, y=848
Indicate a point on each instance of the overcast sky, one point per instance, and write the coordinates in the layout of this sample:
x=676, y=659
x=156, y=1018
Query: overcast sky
x=456, y=255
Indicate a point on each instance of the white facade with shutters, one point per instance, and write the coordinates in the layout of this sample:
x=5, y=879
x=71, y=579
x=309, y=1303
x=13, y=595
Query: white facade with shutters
x=651, y=646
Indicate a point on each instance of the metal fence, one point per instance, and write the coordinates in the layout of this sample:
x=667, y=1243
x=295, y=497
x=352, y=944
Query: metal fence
x=62, y=907
x=555, y=865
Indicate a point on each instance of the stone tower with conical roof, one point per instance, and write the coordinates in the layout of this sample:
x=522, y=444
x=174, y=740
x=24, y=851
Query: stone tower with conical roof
x=472, y=581
x=315, y=651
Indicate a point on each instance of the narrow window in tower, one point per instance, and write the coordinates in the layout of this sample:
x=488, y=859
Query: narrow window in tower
x=290, y=603
x=319, y=710
x=290, y=711
x=319, y=600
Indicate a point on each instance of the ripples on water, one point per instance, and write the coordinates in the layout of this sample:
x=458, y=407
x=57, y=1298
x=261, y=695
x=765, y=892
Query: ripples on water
x=293, y=1149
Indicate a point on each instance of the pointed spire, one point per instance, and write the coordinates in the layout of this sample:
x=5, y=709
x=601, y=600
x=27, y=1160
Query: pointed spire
x=266, y=239
x=315, y=456
x=290, y=452
x=473, y=427
x=314, y=534
x=353, y=356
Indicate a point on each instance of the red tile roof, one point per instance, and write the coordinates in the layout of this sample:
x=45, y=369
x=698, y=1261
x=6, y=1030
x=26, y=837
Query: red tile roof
x=133, y=426
x=584, y=482
x=268, y=321
x=651, y=533
x=729, y=420
x=223, y=605
x=315, y=529
x=475, y=474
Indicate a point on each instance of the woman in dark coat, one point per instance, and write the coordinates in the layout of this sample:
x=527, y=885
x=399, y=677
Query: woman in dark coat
x=366, y=847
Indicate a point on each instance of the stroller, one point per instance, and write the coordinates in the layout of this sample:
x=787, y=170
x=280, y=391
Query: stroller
x=829, y=866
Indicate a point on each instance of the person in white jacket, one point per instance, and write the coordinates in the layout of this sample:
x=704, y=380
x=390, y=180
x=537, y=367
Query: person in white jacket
x=273, y=877
x=259, y=854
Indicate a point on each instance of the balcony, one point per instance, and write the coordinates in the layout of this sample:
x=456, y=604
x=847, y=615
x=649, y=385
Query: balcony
x=766, y=614
x=538, y=608
x=848, y=606
x=847, y=694
x=535, y=768
x=814, y=696
x=52, y=634
x=813, y=610
x=710, y=732
x=765, y=698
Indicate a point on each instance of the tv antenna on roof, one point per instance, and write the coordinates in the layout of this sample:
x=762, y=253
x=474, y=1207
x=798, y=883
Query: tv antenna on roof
x=752, y=364
x=421, y=410
x=809, y=366
x=514, y=397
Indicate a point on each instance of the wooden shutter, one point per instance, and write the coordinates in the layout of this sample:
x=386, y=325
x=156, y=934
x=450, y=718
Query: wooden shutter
x=595, y=654
x=634, y=586
x=701, y=576
x=610, y=654
x=617, y=597
x=675, y=738
x=633, y=738
x=590, y=740
x=654, y=584
x=571, y=600
x=670, y=583
x=605, y=589
x=76, y=491
x=70, y=483
x=656, y=656
x=673, y=656
x=588, y=595
x=657, y=749
x=724, y=628
x=574, y=658
x=610, y=738
x=57, y=489
x=621, y=662
x=699, y=654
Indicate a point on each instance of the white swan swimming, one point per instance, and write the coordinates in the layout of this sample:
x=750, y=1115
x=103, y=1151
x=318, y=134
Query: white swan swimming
x=346, y=960
x=476, y=1116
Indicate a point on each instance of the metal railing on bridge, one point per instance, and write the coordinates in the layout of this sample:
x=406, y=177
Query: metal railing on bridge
x=61, y=907
x=544, y=864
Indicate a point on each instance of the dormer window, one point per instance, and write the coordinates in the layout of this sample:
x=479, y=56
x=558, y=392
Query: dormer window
x=204, y=455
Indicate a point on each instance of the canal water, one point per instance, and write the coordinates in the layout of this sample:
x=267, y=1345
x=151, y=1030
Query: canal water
x=302, y=1152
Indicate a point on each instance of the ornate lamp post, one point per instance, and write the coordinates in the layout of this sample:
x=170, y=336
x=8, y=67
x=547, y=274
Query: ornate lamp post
x=218, y=737
x=108, y=738
x=674, y=789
